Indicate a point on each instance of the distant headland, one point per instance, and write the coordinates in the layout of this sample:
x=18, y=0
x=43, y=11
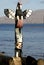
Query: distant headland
x=37, y=17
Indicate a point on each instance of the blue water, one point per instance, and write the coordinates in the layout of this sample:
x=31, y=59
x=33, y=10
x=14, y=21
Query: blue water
x=33, y=39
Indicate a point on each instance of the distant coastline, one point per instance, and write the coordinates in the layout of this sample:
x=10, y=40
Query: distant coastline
x=37, y=17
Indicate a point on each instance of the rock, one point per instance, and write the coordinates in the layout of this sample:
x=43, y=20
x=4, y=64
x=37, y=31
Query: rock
x=40, y=62
x=31, y=61
x=4, y=60
x=17, y=61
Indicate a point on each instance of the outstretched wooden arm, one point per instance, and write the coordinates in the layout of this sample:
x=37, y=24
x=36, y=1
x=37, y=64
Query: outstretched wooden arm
x=26, y=13
x=9, y=13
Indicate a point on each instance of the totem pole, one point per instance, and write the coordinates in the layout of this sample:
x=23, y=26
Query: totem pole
x=18, y=32
x=18, y=16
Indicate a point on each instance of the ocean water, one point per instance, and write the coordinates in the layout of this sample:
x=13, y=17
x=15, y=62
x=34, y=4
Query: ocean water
x=33, y=40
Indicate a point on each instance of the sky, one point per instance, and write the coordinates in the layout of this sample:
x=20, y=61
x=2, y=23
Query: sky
x=27, y=4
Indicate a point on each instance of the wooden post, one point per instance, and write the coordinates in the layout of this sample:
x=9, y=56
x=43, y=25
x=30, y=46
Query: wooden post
x=18, y=32
x=18, y=42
